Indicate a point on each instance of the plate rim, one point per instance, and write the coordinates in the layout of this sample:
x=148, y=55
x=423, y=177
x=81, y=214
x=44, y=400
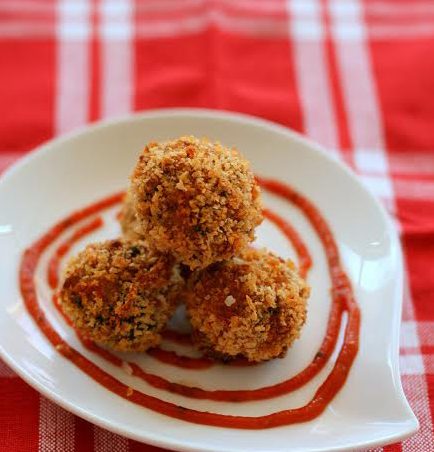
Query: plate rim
x=412, y=422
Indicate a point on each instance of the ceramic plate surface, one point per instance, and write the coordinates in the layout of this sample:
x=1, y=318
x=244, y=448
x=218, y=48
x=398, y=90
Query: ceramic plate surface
x=71, y=172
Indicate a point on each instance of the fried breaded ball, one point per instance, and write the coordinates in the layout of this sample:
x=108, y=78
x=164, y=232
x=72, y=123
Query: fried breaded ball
x=128, y=220
x=121, y=295
x=252, y=306
x=196, y=200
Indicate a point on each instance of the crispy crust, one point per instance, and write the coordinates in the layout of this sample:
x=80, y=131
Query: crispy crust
x=128, y=220
x=120, y=294
x=195, y=199
x=252, y=306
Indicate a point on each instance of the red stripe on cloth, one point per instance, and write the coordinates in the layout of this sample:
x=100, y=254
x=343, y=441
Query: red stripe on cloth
x=430, y=381
x=428, y=362
x=417, y=216
x=84, y=441
x=172, y=72
x=19, y=416
x=219, y=70
x=417, y=219
x=255, y=76
x=406, y=92
x=393, y=448
x=419, y=250
x=26, y=92
x=135, y=446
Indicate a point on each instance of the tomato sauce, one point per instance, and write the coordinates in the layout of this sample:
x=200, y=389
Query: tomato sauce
x=342, y=300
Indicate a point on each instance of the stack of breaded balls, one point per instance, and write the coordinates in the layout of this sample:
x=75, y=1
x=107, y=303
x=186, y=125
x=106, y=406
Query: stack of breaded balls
x=188, y=218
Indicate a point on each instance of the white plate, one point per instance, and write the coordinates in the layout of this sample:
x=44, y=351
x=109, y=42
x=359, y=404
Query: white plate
x=73, y=171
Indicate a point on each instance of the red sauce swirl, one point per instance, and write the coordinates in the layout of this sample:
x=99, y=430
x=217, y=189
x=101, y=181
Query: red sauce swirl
x=342, y=301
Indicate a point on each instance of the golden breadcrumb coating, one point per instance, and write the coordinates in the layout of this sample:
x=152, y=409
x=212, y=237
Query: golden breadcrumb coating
x=251, y=306
x=128, y=221
x=121, y=295
x=196, y=200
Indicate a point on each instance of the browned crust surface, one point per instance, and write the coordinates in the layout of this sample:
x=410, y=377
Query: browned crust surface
x=120, y=294
x=196, y=200
x=252, y=306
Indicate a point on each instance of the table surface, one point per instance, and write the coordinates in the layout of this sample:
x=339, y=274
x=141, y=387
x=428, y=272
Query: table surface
x=356, y=76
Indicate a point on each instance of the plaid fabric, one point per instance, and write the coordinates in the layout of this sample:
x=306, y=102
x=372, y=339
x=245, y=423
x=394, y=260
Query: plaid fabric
x=355, y=75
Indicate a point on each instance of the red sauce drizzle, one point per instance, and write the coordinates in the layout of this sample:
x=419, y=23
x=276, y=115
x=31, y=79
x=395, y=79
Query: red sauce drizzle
x=342, y=300
x=176, y=336
x=304, y=258
x=170, y=357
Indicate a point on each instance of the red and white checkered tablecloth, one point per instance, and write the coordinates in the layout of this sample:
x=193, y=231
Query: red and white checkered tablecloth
x=355, y=75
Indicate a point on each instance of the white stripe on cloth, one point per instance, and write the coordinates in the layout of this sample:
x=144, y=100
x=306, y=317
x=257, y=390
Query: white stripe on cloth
x=416, y=390
x=117, y=57
x=415, y=189
x=105, y=441
x=411, y=364
x=359, y=92
x=422, y=190
x=367, y=133
x=412, y=162
x=409, y=336
x=366, y=129
x=396, y=9
x=377, y=8
x=26, y=29
x=26, y=6
x=360, y=97
x=407, y=302
x=418, y=30
x=73, y=65
x=311, y=72
x=245, y=26
x=56, y=428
